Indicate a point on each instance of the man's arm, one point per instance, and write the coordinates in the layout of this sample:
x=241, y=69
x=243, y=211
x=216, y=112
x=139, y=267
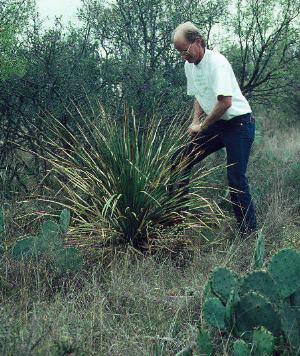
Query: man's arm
x=198, y=115
x=198, y=112
x=223, y=103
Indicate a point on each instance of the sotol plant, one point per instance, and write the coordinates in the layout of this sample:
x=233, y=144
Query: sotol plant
x=116, y=175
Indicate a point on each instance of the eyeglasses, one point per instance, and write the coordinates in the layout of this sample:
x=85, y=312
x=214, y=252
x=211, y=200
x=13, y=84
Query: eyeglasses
x=186, y=52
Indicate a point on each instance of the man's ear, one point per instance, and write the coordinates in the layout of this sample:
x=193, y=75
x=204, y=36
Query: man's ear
x=198, y=40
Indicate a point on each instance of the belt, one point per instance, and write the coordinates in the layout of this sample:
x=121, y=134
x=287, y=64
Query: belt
x=240, y=118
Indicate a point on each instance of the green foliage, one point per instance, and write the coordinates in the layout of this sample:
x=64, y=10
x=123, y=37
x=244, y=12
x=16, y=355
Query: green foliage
x=14, y=19
x=285, y=270
x=267, y=34
x=147, y=79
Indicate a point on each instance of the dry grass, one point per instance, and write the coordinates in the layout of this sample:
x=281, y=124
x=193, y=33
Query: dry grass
x=135, y=302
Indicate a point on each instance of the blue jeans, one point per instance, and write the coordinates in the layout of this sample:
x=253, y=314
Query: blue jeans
x=237, y=136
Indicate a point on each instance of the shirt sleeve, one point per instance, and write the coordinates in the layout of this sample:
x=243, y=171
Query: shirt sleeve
x=222, y=78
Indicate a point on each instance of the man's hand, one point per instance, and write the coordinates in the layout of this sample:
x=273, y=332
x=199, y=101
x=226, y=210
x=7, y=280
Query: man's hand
x=195, y=129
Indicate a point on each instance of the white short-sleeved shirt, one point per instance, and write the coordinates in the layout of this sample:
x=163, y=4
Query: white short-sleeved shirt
x=212, y=77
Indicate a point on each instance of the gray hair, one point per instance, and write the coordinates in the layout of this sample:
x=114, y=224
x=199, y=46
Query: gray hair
x=189, y=31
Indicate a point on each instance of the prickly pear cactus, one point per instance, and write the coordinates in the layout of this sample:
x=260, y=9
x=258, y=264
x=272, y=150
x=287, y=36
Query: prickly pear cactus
x=204, y=344
x=290, y=318
x=1, y=222
x=240, y=348
x=261, y=282
x=68, y=260
x=285, y=271
x=214, y=312
x=64, y=220
x=188, y=351
x=263, y=342
x=24, y=248
x=295, y=299
x=222, y=281
x=254, y=310
x=229, y=317
x=207, y=291
x=259, y=251
x=48, y=237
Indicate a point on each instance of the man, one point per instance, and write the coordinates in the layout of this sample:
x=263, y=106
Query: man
x=222, y=118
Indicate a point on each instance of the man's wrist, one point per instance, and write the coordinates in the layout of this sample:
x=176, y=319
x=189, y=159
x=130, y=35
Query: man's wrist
x=203, y=126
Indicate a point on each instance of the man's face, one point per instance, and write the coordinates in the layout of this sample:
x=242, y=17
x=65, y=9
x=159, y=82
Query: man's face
x=191, y=52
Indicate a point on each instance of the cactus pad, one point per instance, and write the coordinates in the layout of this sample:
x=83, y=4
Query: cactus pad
x=259, y=251
x=64, y=220
x=1, y=222
x=295, y=299
x=263, y=342
x=207, y=291
x=261, y=282
x=214, y=312
x=254, y=310
x=186, y=352
x=240, y=348
x=24, y=248
x=285, y=271
x=229, y=318
x=204, y=344
x=68, y=260
x=290, y=318
x=48, y=237
x=222, y=281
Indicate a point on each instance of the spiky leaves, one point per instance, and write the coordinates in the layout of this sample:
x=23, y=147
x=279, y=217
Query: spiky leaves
x=116, y=176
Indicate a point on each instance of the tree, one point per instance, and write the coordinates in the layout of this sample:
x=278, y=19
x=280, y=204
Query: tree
x=263, y=45
x=138, y=61
x=14, y=18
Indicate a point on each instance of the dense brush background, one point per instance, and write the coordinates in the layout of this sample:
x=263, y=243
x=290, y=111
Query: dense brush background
x=121, y=60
